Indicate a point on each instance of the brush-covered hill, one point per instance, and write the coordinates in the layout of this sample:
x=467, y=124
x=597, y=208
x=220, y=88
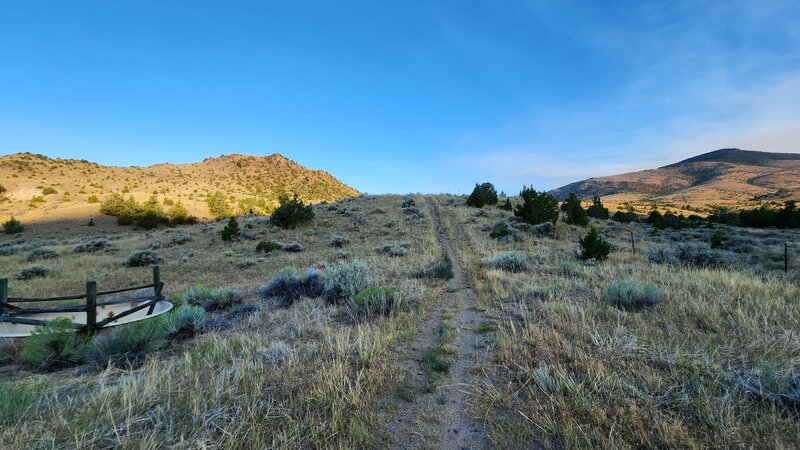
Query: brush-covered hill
x=36, y=187
x=727, y=177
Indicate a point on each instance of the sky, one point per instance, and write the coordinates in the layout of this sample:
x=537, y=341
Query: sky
x=412, y=96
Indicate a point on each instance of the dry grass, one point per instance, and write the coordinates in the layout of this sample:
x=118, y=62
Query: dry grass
x=226, y=389
x=570, y=370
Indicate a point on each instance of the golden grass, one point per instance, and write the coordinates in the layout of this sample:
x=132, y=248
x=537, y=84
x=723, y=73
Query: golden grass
x=570, y=370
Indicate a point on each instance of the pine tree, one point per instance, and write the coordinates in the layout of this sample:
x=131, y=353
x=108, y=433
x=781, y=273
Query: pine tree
x=597, y=210
x=576, y=215
x=230, y=230
x=537, y=207
x=593, y=246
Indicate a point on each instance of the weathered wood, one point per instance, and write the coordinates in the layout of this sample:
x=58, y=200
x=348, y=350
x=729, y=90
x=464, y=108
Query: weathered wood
x=108, y=320
x=3, y=293
x=156, y=287
x=74, y=297
x=76, y=308
x=633, y=243
x=91, y=307
x=26, y=321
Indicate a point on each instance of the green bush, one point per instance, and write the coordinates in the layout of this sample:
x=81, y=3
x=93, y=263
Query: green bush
x=178, y=214
x=627, y=294
x=185, y=321
x=230, y=230
x=49, y=191
x=2, y=189
x=507, y=206
x=372, y=302
x=625, y=217
x=267, y=246
x=593, y=246
x=218, y=206
x=92, y=199
x=339, y=241
x=597, y=210
x=483, y=194
x=213, y=300
x=537, y=207
x=398, y=249
x=13, y=226
x=41, y=253
x=128, y=346
x=291, y=212
x=344, y=281
x=53, y=346
x=576, y=215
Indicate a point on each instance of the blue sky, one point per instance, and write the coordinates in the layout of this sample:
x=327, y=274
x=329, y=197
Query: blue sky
x=415, y=96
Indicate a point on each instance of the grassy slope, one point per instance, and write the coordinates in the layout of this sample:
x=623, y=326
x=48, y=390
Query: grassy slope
x=215, y=390
x=625, y=379
x=237, y=176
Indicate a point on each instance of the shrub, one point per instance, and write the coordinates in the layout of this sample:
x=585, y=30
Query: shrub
x=291, y=212
x=767, y=383
x=701, y=255
x=185, y=321
x=180, y=239
x=399, y=249
x=716, y=240
x=597, y=210
x=53, y=346
x=197, y=295
x=16, y=399
x=129, y=345
x=277, y=354
x=408, y=202
x=546, y=229
x=593, y=246
x=178, y=214
x=41, y=253
x=31, y=272
x=2, y=189
x=141, y=258
x=441, y=269
x=344, y=281
x=13, y=226
x=95, y=245
x=662, y=255
x=483, y=194
x=507, y=206
x=49, y=191
x=339, y=241
x=92, y=199
x=222, y=298
x=627, y=294
x=511, y=262
x=292, y=247
x=267, y=246
x=373, y=301
x=289, y=286
x=537, y=207
x=576, y=215
x=230, y=230
x=625, y=217
x=218, y=206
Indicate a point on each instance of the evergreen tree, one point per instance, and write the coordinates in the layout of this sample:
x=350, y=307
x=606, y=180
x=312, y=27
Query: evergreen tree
x=230, y=230
x=483, y=194
x=291, y=212
x=13, y=226
x=218, y=206
x=597, y=210
x=593, y=246
x=507, y=206
x=537, y=207
x=576, y=215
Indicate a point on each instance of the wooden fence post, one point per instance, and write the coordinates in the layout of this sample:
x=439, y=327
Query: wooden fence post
x=3, y=293
x=785, y=257
x=91, y=307
x=156, y=290
x=633, y=243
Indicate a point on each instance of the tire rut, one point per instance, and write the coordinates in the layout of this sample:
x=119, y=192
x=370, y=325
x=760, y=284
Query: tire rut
x=440, y=419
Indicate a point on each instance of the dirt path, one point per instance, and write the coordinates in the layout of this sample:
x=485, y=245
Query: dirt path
x=437, y=417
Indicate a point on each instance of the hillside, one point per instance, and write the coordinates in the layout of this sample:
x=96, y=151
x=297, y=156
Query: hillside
x=39, y=187
x=731, y=177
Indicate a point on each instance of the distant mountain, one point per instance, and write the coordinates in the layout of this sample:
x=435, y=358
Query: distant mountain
x=731, y=177
x=37, y=186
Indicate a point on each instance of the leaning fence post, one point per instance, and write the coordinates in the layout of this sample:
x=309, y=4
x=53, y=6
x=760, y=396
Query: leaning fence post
x=3, y=293
x=91, y=307
x=633, y=243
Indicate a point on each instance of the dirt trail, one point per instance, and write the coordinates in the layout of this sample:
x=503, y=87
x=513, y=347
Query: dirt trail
x=439, y=419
